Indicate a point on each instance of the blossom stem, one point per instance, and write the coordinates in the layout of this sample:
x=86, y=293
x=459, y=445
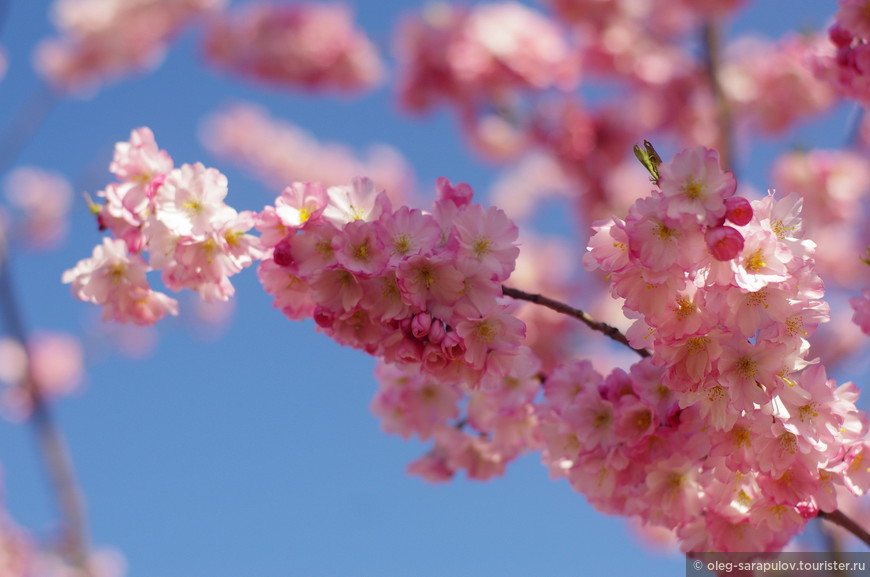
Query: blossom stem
x=52, y=447
x=710, y=35
x=578, y=314
x=837, y=517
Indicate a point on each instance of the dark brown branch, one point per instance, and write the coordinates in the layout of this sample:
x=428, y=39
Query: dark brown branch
x=840, y=518
x=52, y=447
x=724, y=121
x=578, y=314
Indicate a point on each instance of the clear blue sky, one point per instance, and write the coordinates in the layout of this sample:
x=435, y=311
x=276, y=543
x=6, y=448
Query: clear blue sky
x=257, y=454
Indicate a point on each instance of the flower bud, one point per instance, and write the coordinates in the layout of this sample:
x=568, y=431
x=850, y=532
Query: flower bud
x=437, y=332
x=724, y=242
x=323, y=317
x=421, y=324
x=281, y=254
x=738, y=210
x=452, y=346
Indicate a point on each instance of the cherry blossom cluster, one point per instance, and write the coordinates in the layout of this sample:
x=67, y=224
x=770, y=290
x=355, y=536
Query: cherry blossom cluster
x=103, y=39
x=845, y=64
x=466, y=55
x=312, y=46
x=277, y=152
x=774, y=93
x=40, y=201
x=410, y=287
x=179, y=218
x=727, y=434
x=833, y=184
x=499, y=423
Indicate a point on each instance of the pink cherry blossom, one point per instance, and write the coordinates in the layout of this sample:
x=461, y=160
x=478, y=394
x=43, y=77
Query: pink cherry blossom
x=861, y=306
x=311, y=46
x=115, y=279
x=460, y=54
x=90, y=49
x=43, y=199
x=279, y=152
x=694, y=184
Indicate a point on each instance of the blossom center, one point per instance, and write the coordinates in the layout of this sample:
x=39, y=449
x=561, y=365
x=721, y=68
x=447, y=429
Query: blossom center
x=482, y=247
x=402, y=245
x=361, y=251
x=756, y=261
x=746, y=366
x=693, y=189
x=485, y=331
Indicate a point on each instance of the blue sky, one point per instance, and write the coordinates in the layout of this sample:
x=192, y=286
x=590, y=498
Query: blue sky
x=256, y=454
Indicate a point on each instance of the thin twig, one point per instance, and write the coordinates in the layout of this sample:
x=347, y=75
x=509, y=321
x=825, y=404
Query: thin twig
x=578, y=314
x=52, y=447
x=710, y=34
x=24, y=125
x=839, y=518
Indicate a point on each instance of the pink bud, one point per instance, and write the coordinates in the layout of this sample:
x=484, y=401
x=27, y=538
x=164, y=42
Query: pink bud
x=840, y=37
x=282, y=255
x=724, y=242
x=460, y=195
x=323, y=317
x=452, y=346
x=437, y=332
x=421, y=324
x=738, y=210
x=807, y=510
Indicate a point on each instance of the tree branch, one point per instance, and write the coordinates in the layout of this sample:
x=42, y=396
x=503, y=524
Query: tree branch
x=710, y=36
x=578, y=314
x=839, y=518
x=52, y=447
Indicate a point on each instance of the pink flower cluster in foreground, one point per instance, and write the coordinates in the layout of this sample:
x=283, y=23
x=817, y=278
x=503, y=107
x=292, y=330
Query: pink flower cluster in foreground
x=176, y=215
x=727, y=434
x=103, y=39
x=311, y=46
x=410, y=287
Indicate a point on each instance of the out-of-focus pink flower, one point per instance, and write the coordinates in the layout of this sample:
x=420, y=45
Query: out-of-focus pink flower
x=55, y=362
x=844, y=63
x=280, y=153
x=833, y=184
x=861, y=306
x=310, y=46
x=104, y=39
x=464, y=54
x=854, y=16
x=44, y=199
x=531, y=180
x=775, y=92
